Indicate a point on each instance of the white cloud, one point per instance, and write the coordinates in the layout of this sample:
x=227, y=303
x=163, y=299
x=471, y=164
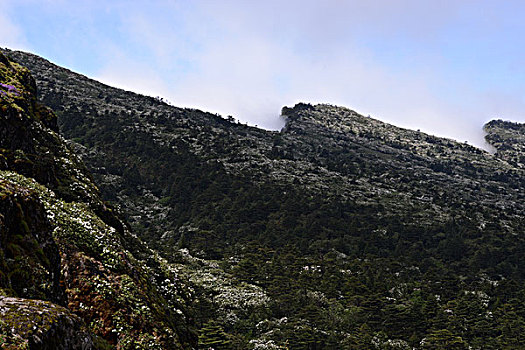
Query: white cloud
x=248, y=59
x=252, y=77
x=126, y=73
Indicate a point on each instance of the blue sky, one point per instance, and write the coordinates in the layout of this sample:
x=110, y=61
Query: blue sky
x=444, y=67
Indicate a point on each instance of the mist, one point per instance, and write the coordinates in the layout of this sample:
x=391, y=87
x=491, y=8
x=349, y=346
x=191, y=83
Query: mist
x=442, y=67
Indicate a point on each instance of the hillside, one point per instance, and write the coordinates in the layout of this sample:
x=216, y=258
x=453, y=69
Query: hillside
x=338, y=232
x=72, y=275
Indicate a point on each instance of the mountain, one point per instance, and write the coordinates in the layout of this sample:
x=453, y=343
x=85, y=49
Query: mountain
x=72, y=275
x=337, y=232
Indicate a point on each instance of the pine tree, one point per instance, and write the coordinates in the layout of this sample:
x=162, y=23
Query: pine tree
x=213, y=337
x=443, y=339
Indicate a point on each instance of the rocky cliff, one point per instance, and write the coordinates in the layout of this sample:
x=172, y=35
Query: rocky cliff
x=72, y=276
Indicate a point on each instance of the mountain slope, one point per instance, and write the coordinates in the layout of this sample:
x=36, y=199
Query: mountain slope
x=72, y=276
x=355, y=233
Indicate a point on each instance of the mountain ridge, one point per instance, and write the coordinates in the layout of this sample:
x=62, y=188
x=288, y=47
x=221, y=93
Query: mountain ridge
x=167, y=103
x=71, y=272
x=352, y=233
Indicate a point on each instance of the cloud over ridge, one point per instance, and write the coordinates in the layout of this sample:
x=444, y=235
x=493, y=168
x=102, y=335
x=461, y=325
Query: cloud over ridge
x=442, y=67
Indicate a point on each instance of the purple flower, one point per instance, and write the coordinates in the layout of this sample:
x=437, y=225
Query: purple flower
x=10, y=88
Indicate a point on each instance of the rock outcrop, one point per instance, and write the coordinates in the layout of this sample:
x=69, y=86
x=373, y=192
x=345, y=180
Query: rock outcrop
x=72, y=275
x=29, y=258
x=37, y=324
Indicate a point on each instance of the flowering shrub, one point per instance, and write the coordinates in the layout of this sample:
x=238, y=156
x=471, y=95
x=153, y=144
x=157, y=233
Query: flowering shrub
x=10, y=89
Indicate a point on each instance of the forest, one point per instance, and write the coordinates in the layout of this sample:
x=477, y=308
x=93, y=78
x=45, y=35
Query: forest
x=338, y=232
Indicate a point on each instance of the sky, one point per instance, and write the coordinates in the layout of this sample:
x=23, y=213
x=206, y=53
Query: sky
x=443, y=67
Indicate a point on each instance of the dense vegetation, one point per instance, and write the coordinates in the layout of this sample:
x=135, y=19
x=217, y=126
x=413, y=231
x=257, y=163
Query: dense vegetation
x=72, y=275
x=339, y=232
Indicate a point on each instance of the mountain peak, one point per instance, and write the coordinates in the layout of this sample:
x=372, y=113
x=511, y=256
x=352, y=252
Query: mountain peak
x=509, y=140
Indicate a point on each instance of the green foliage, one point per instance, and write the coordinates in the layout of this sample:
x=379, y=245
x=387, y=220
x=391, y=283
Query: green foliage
x=352, y=233
x=127, y=295
x=444, y=339
x=212, y=336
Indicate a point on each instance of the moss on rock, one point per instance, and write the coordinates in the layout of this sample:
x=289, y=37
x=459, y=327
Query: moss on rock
x=30, y=264
x=61, y=243
x=37, y=324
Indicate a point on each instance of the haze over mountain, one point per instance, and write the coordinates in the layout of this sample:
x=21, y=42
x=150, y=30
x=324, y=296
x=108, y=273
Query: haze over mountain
x=444, y=67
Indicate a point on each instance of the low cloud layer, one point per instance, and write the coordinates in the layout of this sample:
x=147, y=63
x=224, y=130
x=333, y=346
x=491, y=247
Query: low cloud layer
x=443, y=67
